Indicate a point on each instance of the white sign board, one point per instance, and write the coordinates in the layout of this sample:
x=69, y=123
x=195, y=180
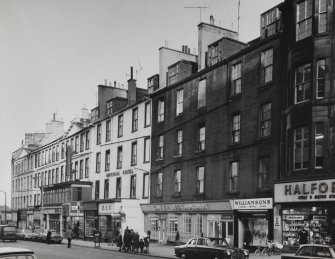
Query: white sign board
x=321, y=190
x=109, y=208
x=253, y=204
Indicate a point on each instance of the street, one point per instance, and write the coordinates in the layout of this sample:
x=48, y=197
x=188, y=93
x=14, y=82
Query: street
x=55, y=251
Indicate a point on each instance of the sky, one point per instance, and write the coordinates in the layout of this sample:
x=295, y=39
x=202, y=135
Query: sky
x=54, y=53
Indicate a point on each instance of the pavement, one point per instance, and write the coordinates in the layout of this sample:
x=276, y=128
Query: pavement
x=155, y=249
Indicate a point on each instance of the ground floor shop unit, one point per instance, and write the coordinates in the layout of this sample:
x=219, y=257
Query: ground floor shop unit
x=304, y=212
x=189, y=219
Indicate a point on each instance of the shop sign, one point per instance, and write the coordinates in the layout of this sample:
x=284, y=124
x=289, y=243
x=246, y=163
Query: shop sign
x=181, y=207
x=113, y=174
x=321, y=190
x=74, y=207
x=226, y=217
x=30, y=212
x=52, y=211
x=277, y=222
x=293, y=217
x=320, y=218
x=90, y=206
x=109, y=208
x=37, y=214
x=252, y=204
x=129, y=171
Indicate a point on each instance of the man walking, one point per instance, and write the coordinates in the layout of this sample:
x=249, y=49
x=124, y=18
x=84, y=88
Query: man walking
x=49, y=237
x=68, y=235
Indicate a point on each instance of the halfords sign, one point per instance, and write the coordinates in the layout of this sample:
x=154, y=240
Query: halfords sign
x=322, y=190
x=252, y=204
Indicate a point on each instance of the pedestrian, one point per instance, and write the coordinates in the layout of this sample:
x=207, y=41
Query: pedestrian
x=141, y=245
x=100, y=236
x=127, y=241
x=119, y=242
x=247, y=238
x=136, y=244
x=146, y=244
x=95, y=237
x=149, y=233
x=68, y=235
x=109, y=237
x=132, y=240
x=177, y=239
x=49, y=237
x=303, y=235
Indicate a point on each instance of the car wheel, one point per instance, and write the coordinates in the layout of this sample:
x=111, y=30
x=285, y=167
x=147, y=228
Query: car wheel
x=182, y=256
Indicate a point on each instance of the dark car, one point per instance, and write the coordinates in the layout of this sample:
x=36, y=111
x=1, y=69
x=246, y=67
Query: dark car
x=209, y=248
x=15, y=252
x=8, y=232
x=314, y=251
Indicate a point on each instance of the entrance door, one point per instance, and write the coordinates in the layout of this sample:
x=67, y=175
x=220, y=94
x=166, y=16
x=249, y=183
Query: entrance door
x=161, y=234
x=227, y=231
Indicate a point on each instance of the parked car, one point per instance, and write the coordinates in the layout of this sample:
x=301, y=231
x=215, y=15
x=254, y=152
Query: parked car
x=8, y=232
x=314, y=251
x=55, y=237
x=209, y=248
x=15, y=252
x=37, y=235
x=26, y=234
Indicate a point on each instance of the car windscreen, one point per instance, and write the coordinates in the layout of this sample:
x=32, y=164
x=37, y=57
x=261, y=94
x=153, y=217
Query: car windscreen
x=216, y=242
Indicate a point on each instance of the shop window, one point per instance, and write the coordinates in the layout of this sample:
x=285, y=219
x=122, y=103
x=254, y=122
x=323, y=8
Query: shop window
x=188, y=225
x=304, y=19
x=319, y=143
x=199, y=226
x=173, y=226
x=301, y=148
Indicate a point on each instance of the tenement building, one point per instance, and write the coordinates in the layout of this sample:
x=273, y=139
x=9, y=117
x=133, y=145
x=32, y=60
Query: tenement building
x=305, y=194
x=215, y=139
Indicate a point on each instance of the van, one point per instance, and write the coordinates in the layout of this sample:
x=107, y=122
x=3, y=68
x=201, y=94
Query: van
x=8, y=233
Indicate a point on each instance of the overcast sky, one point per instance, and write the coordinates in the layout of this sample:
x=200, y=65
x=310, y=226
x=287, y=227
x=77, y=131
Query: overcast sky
x=54, y=53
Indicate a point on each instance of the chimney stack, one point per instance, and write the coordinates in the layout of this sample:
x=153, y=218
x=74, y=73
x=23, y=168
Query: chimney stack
x=131, y=94
x=114, y=83
x=211, y=19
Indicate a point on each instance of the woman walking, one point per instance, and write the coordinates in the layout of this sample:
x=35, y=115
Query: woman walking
x=68, y=235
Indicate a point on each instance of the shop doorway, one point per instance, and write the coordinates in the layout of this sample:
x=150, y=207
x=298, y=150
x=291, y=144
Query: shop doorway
x=161, y=234
x=228, y=231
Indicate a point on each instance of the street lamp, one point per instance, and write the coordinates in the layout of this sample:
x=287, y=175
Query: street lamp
x=5, y=205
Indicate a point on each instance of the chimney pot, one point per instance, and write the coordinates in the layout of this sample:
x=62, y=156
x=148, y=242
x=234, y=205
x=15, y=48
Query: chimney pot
x=211, y=18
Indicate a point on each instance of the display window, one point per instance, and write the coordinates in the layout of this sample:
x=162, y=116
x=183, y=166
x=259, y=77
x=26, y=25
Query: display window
x=256, y=231
x=305, y=225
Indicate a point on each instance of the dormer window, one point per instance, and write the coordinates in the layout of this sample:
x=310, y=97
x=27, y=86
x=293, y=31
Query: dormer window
x=270, y=22
x=109, y=107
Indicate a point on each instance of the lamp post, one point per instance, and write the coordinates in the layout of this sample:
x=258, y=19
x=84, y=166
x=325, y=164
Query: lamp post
x=5, y=205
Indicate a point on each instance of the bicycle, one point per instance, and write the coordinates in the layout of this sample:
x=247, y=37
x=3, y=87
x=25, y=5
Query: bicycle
x=258, y=250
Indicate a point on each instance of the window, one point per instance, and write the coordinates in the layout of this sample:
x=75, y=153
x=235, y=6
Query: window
x=107, y=160
x=118, y=187
x=147, y=119
x=108, y=130
x=81, y=169
x=54, y=154
x=201, y=137
x=267, y=64
x=76, y=150
x=199, y=225
x=265, y=120
x=145, y=185
x=160, y=110
x=76, y=170
x=236, y=127
x=97, y=189
x=134, y=153
x=173, y=226
x=106, y=189
x=87, y=138
x=119, y=157
x=234, y=175
x=177, y=181
x=180, y=102
x=146, y=150
x=98, y=163
x=304, y=19
x=109, y=106
x=87, y=167
x=320, y=78
x=202, y=93
x=236, y=79
x=82, y=141
x=135, y=120
x=133, y=186
x=302, y=83
x=269, y=22
x=301, y=148
x=57, y=152
x=179, y=147
x=62, y=176
x=62, y=153
x=322, y=16
x=120, y=126
x=98, y=134
x=188, y=224
x=160, y=150
x=159, y=184
x=200, y=180
x=264, y=173
x=319, y=142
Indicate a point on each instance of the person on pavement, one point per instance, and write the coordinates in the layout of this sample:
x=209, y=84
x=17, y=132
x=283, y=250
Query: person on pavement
x=49, y=237
x=119, y=242
x=68, y=235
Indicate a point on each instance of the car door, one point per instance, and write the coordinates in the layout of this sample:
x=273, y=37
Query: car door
x=191, y=249
x=305, y=252
x=320, y=252
x=202, y=249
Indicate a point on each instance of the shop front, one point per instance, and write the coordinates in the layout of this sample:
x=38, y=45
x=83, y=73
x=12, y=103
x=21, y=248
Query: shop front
x=192, y=219
x=22, y=219
x=91, y=219
x=73, y=215
x=37, y=219
x=308, y=205
x=53, y=218
x=110, y=218
x=253, y=222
